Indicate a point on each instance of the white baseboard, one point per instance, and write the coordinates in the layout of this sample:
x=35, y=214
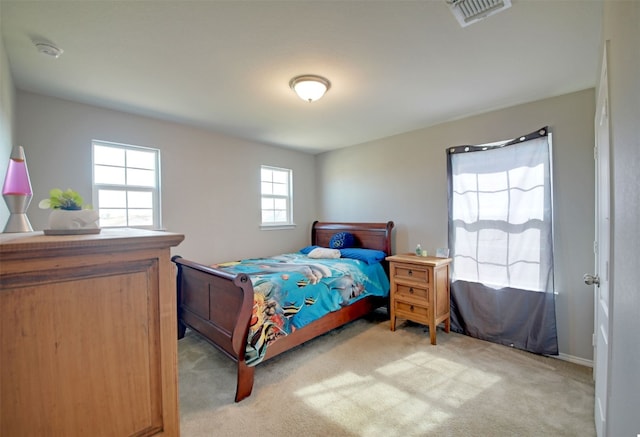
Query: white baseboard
x=572, y=359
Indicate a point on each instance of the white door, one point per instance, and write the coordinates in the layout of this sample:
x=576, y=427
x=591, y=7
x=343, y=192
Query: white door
x=600, y=280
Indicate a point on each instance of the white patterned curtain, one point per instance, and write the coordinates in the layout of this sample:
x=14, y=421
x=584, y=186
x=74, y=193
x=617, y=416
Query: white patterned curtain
x=501, y=240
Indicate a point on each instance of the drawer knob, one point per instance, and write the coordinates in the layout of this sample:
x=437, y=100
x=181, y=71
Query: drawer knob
x=411, y=308
x=410, y=272
x=411, y=290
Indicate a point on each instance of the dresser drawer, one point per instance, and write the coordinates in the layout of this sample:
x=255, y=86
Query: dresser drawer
x=411, y=311
x=413, y=292
x=410, y=272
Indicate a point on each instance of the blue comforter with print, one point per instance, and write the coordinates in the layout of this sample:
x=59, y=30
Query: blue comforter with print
x=293, y=290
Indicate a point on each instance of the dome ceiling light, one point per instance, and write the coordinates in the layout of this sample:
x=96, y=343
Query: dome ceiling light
x=310, y=87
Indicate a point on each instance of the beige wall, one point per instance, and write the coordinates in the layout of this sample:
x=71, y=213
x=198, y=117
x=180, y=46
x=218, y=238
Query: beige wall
x=621, y=27
x=210, y=182
x=403, y=178
x=7, y=108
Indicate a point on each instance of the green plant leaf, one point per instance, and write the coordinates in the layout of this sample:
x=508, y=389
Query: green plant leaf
x=58, y=199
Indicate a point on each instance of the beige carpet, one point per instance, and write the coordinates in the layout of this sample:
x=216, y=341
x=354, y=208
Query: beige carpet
x=364, y=380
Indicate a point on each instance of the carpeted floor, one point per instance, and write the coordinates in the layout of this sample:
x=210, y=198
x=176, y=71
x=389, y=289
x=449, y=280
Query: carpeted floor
x=364, y=380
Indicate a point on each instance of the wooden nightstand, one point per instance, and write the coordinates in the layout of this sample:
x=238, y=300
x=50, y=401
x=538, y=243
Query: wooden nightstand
x=420, y=291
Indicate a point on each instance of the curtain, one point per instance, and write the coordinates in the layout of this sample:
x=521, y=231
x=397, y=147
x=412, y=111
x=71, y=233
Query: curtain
x=501, y=242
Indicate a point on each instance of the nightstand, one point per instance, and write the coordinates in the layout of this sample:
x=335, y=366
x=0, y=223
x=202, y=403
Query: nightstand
x=420, y=291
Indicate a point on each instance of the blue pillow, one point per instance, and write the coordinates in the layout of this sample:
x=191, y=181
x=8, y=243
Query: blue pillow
x=341, y=240
x=370, y=256
x=306, y=250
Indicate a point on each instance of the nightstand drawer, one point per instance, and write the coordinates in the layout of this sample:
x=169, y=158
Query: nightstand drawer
x=410, y=272
x=413, y=292
x=410, y=311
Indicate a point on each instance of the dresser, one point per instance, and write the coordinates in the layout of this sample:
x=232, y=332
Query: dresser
x=420, y=291
x=88, y=334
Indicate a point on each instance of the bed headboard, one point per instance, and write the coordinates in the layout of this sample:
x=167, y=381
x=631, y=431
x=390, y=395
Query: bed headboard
x=367, y=235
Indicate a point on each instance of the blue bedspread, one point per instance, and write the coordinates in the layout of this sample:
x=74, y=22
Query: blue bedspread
x=293, y=290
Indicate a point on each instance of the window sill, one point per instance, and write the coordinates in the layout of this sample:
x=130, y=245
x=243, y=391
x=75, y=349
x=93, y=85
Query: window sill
x=264, y=227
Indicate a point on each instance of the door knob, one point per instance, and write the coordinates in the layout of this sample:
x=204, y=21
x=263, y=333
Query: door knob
x=591, y=279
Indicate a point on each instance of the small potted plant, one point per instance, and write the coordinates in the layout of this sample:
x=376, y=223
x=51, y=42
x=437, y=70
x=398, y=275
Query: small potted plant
x=68, y=200
x=69, y=211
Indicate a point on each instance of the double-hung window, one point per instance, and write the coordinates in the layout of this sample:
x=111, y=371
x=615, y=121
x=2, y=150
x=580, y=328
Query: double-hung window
x=276, y=195
x=126, y=185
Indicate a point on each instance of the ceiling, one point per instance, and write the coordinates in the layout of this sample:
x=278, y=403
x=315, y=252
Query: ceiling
x=394, y=65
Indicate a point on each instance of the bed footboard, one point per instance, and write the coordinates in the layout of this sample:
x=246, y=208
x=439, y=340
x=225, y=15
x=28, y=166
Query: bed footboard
x=218, y=306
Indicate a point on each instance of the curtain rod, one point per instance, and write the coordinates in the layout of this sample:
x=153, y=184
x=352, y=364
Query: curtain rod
x=542, y=132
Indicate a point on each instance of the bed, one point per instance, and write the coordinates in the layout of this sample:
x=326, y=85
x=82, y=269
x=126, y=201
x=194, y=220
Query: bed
x=225, y=303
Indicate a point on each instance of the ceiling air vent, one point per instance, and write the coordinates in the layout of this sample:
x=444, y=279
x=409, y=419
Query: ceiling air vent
x=469, y=11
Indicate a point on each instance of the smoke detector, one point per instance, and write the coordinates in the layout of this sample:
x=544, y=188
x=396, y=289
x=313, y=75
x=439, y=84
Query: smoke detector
x=47, y=48
x=470, y=11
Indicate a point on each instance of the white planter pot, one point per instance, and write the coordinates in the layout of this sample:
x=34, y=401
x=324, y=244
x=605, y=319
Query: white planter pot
x=80, y=219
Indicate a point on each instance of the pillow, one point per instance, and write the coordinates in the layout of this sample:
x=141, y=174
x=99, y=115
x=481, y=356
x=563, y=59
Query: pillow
x=342, y=240
x=370, y=256
x=306, y=250
x=323, y=252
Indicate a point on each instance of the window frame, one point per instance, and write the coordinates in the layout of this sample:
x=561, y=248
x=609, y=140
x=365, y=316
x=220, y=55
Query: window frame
x=155, y=190
x=288, y=198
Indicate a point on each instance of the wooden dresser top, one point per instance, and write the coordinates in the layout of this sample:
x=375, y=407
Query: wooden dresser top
x=18, y=245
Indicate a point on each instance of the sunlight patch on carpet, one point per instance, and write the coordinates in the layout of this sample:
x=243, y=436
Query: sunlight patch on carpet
x=418, y=390
x=351, y=401
x=438, y=379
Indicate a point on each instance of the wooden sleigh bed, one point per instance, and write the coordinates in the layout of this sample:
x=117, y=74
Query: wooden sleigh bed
x=219, y=305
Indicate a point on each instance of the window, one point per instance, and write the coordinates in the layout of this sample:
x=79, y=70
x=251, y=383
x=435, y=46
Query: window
x=501, y=215
x=276, y=196
x=126, y=185
x=501, y=240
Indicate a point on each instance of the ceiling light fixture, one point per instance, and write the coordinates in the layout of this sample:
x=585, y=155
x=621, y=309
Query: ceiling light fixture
x=49, y=49
x=310, y=87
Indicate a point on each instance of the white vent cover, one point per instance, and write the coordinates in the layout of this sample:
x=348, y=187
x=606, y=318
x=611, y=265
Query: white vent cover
x=469, y=11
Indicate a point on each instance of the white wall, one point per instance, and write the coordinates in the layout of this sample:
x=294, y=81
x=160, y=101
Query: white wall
x=7, y=108
x=403, y=178
x=210, y=182
x=622, y=29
